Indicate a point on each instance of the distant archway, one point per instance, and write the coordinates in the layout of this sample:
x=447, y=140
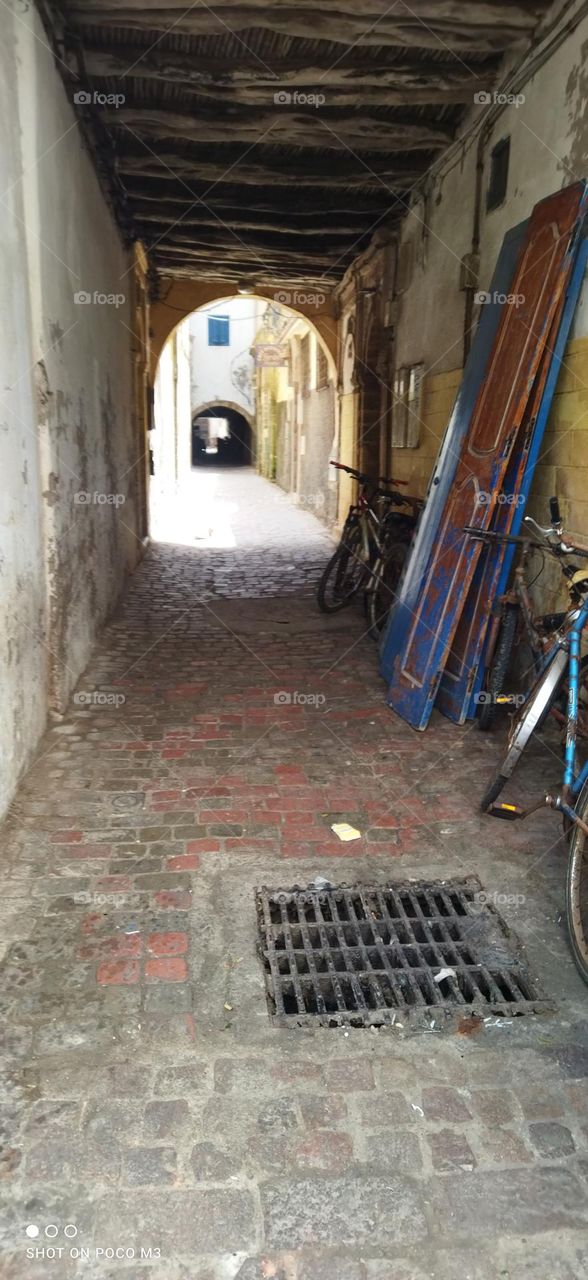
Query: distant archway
x=235, y=449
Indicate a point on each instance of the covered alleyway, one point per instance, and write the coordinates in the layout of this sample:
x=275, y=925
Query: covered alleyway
x=221, y=728
x=186, y=1089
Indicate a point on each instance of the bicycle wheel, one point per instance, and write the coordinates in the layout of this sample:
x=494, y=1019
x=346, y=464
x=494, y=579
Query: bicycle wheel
x=345, y=572
x=499, y=668
x=523, y=726
x=577, y=890
x=384, y=583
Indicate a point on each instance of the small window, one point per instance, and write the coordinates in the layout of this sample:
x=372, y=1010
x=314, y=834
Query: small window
x=218, y=331
x=407, y=406
x=497, y=185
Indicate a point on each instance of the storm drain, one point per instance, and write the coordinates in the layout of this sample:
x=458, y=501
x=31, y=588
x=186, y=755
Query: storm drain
x=365, y=955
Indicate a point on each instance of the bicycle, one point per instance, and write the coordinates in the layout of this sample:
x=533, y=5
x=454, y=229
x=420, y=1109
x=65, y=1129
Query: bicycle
x=372, y=549
x=514, y=618
x=562, y=660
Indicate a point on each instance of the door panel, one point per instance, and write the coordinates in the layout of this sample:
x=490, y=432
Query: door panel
x=540, y=282
x=445, y=467
x=459, y=707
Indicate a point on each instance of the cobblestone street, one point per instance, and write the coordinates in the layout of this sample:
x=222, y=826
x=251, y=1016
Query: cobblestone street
x=146, y=1100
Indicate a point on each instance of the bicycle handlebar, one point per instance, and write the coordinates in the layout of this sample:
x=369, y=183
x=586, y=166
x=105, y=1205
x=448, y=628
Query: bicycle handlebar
x=351, y=471
x=491, y=536
x=360, y=475
x=557, y=549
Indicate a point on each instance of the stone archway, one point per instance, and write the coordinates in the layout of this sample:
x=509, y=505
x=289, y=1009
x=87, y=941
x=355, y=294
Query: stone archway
x=241, y=447
x=183, y=297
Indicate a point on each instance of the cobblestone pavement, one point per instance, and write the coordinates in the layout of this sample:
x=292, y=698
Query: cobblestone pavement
x=147, y=1103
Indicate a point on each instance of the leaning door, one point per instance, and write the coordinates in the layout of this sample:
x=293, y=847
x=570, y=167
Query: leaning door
x=538, y=288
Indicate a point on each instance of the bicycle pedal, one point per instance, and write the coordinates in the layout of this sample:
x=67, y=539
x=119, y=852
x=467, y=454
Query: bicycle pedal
x=508, y=811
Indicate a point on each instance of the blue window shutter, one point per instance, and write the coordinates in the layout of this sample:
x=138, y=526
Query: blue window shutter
x=218, y=331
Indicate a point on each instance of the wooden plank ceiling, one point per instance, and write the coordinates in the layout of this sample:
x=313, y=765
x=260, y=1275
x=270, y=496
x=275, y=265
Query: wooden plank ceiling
x=266, y=142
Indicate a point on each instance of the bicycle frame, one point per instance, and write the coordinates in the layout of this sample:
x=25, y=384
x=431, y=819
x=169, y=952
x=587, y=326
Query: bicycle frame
x=573, y=780
x=572, y=784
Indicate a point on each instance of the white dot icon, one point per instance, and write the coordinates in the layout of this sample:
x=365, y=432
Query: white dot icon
x=32, y=1230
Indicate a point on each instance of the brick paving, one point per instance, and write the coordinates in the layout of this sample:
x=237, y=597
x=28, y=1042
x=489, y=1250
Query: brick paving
x=146, y=1103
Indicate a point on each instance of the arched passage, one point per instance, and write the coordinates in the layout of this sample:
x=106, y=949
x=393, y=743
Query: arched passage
x=181, y=298
x=259, y=369
x=231, y=445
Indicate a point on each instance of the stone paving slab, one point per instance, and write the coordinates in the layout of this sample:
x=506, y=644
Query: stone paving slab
x=146, y=1101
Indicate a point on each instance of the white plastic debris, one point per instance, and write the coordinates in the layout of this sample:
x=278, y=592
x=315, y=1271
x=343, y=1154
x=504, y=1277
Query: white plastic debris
x=320, y=882
x=345, y=831
x=443, y=973
x=416, y=1107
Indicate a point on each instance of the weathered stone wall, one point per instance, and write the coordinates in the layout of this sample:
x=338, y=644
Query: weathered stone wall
x=66, y=410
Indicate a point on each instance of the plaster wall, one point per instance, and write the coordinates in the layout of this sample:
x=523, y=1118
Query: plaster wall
x=66, y=401
x=220, y=374
x=548, y=133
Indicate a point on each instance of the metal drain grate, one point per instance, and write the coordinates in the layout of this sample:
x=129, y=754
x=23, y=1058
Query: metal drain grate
x=363, y=955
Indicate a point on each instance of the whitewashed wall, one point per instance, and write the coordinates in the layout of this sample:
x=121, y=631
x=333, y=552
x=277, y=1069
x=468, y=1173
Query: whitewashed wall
x=65, y=399
x=222, y=374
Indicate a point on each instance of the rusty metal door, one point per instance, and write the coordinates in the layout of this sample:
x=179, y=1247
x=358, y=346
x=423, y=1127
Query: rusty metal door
x=539, y=286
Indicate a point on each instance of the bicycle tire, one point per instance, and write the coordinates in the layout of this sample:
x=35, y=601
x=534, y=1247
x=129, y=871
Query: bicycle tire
x=524, y=725
x=499, y=667
x=384, y=582
x=577, y=890
x=344, y=573
x=493, y=791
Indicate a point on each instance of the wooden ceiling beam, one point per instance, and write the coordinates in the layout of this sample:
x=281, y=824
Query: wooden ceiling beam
x=157, y=221
x=262, y=249
x=227, y=201
x=310, y=129
x=392, y=177
x=349, y=82
x=485, y=25
x=174, y=268
x=269, y=263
